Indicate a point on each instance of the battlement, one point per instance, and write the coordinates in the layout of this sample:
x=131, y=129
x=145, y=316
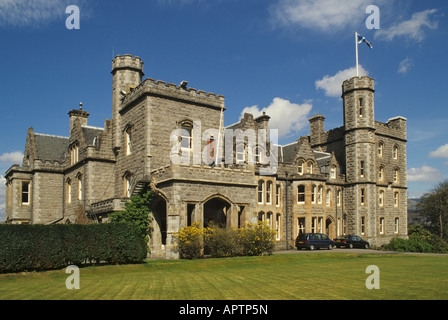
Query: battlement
x=127, y=62
x=159, y=87
x=358, y=83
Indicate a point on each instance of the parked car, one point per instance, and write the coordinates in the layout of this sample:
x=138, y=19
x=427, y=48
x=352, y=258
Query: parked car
x=313, y=241
x=351, y=241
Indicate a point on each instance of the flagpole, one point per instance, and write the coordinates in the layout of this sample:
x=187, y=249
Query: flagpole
x=357, y=58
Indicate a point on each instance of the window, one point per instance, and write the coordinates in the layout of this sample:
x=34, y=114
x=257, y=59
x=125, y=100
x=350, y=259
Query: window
x=361, y=168
x=258, y=156
x=313, y=194
x=301, y=225
x=381, y=173
x=300, y=167
x=396, y=175
x=128, y=140
x=397, y=225
x=339, y=197
x=26, y=192
x=363, y=225
x=396, y=199
x=328, y=200
x=69, y=191
x=211, y=150
x=277, y=194
x=277, y=226
x=268, y=192
x=361, y=107
x=261, y=216
x=309, y=167
x=381, y=226
x=269, y=219
x=395, y=152
x=333, y=172
x=314, y=225
x=79, y=187
x=74, y=154
x=380, y=149
x=260, y=191
x=301, y=194
x=240, y=153
x=319, y=195
x=363, y=196
x=186, y=136
x=381, y=198
x=127, y=185
x=320, y=222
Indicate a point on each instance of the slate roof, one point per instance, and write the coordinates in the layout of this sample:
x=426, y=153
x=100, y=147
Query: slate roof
x=51, y=147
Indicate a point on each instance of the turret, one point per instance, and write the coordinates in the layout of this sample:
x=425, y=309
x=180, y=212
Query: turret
x=127, y=72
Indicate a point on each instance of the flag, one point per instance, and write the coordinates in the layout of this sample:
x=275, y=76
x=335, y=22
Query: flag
x=363, y=39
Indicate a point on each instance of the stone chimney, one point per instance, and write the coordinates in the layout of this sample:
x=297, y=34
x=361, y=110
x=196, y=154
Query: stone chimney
x=316, y=129
x=78, y=114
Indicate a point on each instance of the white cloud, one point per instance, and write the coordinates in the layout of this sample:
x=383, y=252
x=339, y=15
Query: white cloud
x=424, y=174
x=412, y=28
x=332, y=85
x=441, y=152
x=11, y=157
x=289, y=118
x=322, y=15
x=32, y=12
x=405, y=66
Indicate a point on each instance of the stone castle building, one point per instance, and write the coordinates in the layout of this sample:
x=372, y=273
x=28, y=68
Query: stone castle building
x=349, y=180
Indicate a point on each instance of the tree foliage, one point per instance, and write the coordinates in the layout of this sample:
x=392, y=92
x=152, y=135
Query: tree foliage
x=434, y=208
x=137, y=212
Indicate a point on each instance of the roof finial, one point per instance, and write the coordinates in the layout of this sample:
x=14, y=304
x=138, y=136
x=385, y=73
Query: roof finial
x=80, y=106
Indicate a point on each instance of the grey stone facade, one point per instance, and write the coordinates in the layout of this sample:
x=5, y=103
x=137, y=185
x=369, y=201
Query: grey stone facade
x=348, y=180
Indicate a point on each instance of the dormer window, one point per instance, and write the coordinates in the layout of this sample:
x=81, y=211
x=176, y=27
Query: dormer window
x=186, y=134
x=74, y=154
x=309, y=167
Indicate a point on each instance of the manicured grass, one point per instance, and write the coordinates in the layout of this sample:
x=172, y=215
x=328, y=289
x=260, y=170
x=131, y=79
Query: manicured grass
x=325, y=275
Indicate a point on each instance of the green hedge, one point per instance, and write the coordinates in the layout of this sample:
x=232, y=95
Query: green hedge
x=41, y=247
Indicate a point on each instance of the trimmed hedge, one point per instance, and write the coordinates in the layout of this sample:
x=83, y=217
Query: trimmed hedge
x=44, y=247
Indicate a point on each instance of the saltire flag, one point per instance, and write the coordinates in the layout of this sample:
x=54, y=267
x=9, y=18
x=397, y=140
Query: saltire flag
x=362, y=39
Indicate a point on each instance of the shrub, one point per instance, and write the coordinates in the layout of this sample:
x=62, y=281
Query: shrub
x=257, y=239
x=190, y=241
x=222, y=242
x=41, y=247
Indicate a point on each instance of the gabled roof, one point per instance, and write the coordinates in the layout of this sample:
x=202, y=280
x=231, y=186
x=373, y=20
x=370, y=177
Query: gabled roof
x=51, y=147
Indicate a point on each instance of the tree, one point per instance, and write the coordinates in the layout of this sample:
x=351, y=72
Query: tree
x=434, y=207
x=137, y=211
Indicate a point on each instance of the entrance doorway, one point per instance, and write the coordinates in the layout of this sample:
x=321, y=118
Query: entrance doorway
x=216, y=210
x=330, y=229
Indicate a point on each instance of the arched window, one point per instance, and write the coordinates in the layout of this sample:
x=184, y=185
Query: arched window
x=381, y=198
x=300, y=167
x=313, y=193
x=278, y=190
x=74, y=153
x=395, y=152
x=328, y=198
x=380, y=149
x=68, y=190
x=319, y=195
x=268, y=192
x=128, y=140
x=186, y=135
x=127, y=185
x=309, y=167
x=361, y=107
x=240, y=153
x=260, y=191
x=80, y=186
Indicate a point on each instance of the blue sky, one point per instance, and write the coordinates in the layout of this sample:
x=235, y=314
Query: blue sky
x=286, y=57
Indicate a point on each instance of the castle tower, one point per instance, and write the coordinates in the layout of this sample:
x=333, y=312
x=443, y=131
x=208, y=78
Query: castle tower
x=359, y=123
x=127, y=72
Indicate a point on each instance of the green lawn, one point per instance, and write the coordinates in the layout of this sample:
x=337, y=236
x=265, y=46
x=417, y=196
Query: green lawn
x=325, y=275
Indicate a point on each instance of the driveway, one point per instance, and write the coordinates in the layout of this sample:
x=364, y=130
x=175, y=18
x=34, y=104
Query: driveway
x=360, y=251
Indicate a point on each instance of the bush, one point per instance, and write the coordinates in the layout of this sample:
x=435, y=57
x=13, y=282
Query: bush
x=190, y=241
x=222, y=242
x=41, y=247
x=257, y=239
x=420, y=240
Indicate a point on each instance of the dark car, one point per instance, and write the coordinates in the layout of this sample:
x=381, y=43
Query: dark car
x=313, y=241
x=351, y=241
